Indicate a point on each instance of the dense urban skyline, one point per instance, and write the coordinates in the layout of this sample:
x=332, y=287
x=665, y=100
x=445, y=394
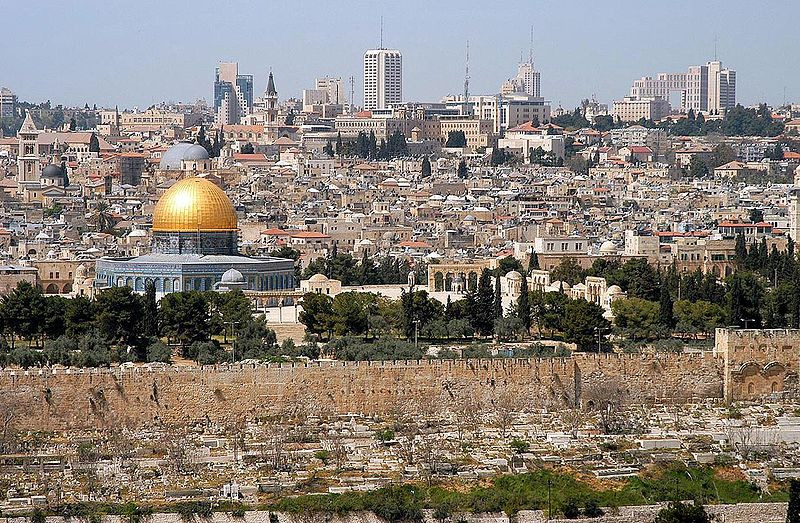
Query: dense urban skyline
x=144, y=53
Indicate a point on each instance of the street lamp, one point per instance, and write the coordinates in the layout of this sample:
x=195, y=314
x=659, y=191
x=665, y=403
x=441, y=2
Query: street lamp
x=597, y=330
x=233, y=353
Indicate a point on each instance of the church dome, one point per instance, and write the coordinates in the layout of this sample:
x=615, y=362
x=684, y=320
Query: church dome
x=172, y=157
x=318, y=278
x=194, y=205
x=52, y=171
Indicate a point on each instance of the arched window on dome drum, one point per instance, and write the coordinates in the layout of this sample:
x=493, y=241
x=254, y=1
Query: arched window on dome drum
x=176, y=285
x=139, y=284
x=168, y=285
x=129, y=282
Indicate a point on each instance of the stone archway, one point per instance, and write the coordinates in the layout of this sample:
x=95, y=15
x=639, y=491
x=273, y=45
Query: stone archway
x=438, y=282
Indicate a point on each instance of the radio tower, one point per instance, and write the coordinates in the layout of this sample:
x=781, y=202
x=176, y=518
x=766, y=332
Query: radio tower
x=352, y=91
x=466, y=84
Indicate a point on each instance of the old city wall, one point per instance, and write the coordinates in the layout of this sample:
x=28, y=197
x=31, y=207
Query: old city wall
x=740, y=513
x=47, y=399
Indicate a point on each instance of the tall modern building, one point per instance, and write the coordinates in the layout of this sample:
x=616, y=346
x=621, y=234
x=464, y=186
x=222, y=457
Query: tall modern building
x=527, y=81
x=8, y=103
x=708, y=88
x=383, y=78
x=233, y=93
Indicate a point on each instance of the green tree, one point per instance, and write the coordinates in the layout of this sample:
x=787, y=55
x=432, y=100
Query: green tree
x=568, y=271
x=497, y=305
x=678, y=512
x=584, y=324
x=666, y=316
x=186, y=317
x=317, y=313
x=533, y=262
x=793, y=512
x=23, y=311
x=524, y=305
x=249, y=149
x=79, y=316
x=637, y=319
x=463, y=171
x=508, y=264
x=351, y=312
x=150, y=310
x=456, y=139
x=638, y=278
x=426, y=167
x=328, y=149
x=697, y=167
x=339, y=144
x=744, y=299
x=481, y=304
x=418, y=309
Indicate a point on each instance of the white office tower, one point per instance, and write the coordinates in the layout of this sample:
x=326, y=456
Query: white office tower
x=708, y=88
x=527, y=81
x=383, y=78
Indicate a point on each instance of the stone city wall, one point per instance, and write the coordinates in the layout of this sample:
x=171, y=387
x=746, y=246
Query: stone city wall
x=50, y=399
x=740, y=513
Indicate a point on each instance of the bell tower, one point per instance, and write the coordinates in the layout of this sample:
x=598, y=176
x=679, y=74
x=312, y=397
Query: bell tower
x=28, y=161
x=272, y=101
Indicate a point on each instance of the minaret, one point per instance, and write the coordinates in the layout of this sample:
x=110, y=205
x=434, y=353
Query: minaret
x=28, y=159
x=271, y=96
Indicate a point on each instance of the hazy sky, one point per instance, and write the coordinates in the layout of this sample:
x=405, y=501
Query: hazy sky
x=141, y=52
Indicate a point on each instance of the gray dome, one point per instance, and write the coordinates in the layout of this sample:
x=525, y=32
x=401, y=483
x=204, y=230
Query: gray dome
x=52, y=171
x=232, y=276
x=172, y=157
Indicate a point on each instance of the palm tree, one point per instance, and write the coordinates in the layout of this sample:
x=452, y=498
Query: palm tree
x=102, y=217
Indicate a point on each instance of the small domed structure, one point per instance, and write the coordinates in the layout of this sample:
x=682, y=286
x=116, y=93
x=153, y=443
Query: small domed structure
x=608, y=247
x=614, y=289
x=514, y=275
x=318, y=278
x=232, y=276
x=185, y=156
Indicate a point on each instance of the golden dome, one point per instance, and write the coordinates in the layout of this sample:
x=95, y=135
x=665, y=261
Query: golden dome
x=194, y=204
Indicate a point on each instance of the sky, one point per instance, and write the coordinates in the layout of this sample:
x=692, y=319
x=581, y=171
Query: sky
x=137, y=53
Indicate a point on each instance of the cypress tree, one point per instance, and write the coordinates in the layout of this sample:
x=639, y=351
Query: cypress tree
x=533, y=262
x=666, y=316
x=426, y=167
x=793, y=513
x=498, y=298
x=524, y=304
x=339, y=144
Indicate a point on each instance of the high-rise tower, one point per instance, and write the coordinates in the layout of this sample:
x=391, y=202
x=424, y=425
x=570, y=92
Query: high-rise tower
x=383, y=78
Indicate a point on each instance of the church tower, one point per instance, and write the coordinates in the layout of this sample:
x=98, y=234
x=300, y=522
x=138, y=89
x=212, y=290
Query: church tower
x=271, y=97
x=28, y=161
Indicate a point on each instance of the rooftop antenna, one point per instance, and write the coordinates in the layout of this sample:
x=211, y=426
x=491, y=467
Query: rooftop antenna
x=530, y=50
x=352, y=91
x=715, y=48
x=466, y=79
x=381, y=46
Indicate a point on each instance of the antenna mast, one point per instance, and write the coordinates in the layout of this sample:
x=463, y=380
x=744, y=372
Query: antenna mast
x=530, y=50
x=381, y=46
x=466, y=83
x=352, y=91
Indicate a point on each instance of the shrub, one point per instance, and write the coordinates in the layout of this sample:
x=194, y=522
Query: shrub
x=571, y=509
x=519, y=446
x=592, y=509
